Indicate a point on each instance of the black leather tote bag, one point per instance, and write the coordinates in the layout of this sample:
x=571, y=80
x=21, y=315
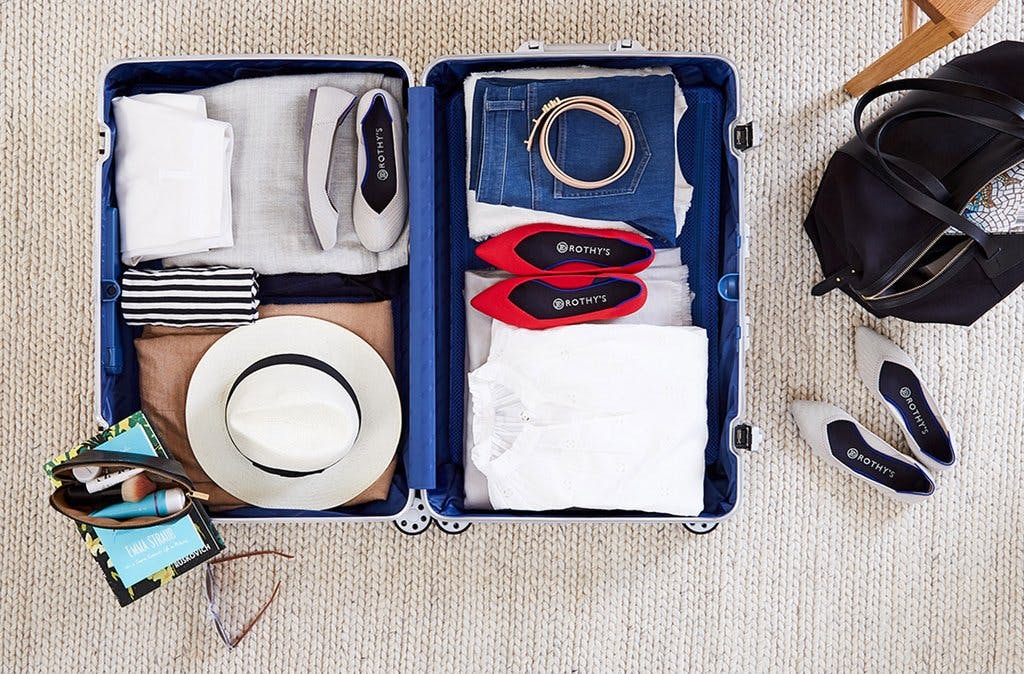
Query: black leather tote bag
x=888, y=221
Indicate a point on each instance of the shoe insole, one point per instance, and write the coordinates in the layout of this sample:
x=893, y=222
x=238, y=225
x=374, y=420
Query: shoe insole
x=380, y=183
x=539, y=302
x=545, y=301
x=554, y=250
x=901, y=388
x=851, y=449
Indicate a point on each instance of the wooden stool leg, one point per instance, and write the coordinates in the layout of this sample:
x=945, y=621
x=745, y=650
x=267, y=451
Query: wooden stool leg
x=909, y=18
x=926, y=40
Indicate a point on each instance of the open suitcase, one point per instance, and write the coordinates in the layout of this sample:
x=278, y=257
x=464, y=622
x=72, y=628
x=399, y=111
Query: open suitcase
x=429, y=308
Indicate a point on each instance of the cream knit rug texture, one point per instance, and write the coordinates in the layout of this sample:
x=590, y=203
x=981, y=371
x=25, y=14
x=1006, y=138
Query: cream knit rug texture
x=814, y=573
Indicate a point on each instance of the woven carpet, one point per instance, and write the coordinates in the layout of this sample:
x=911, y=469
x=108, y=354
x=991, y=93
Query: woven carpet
x=814, y=573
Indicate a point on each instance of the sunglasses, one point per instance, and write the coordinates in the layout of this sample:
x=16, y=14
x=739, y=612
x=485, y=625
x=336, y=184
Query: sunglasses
x=211, y=595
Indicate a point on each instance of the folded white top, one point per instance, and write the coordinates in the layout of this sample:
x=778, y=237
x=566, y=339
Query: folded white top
x=668, y=303
x=172, y=176
x=487, y=220
x=593, y=416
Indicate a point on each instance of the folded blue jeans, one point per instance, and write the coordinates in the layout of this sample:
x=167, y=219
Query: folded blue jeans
x=584, y=145
x=328, y=288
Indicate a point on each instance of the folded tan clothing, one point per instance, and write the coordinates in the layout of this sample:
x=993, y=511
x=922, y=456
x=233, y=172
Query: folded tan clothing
x=167, y=357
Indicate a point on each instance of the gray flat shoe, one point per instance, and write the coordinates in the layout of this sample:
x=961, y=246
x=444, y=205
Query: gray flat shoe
x=380, y=207
x=326, y=109
x=840, y=440
x=895, y=380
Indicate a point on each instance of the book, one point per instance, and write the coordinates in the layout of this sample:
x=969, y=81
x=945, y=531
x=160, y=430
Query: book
x=137, y=561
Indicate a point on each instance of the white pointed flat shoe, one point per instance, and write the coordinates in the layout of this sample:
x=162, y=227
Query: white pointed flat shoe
x=325, y=111
x=895, y=380
x=840, y=440
x=380, y=207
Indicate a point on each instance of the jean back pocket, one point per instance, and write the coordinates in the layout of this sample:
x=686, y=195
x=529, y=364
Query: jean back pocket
x=588, y=147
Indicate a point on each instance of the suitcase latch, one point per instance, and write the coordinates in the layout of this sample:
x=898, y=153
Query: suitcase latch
x=103, y=151
x=745, y=436
x=745, y=137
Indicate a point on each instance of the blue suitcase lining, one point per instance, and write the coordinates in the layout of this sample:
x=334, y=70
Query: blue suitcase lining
x=709, y=244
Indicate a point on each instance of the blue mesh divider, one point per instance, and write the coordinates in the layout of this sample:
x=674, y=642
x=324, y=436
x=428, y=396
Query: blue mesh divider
x=699, y=143
x=458, y=260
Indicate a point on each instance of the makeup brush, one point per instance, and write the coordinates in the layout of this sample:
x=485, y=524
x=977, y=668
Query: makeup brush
x=132, y=490
x=136, y=488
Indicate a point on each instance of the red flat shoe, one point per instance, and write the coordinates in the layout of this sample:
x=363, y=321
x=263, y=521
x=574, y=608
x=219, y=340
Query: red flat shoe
x=538, y=302
x=557, y=249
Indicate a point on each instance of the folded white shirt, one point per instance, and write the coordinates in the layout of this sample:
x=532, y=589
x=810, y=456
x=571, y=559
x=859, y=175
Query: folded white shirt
x=172, y=176
x=668, y=303
x=487, y=220
x=606, y=417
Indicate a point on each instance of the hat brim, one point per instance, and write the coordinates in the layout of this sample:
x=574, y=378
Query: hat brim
x=362, y=366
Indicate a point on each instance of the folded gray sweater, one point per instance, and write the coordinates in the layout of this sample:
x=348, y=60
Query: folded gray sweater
x=272, y=232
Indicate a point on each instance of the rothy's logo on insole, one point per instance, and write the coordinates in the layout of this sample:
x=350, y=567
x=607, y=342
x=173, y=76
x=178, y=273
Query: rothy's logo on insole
x=378, y=139
x=854, y=455
x=564, y=248
x=915, y=414
x=593, y=300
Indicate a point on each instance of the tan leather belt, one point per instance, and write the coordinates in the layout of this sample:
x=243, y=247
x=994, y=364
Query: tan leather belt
x=557, y=107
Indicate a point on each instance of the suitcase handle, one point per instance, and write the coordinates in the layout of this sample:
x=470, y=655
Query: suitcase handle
x=535, y=46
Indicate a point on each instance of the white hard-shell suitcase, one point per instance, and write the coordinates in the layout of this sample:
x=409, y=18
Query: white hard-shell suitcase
x=429, y=313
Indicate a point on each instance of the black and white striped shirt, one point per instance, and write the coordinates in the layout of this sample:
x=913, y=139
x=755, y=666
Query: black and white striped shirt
x=189, y=296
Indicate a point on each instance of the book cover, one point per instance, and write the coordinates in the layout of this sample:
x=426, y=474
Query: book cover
x=137, y=561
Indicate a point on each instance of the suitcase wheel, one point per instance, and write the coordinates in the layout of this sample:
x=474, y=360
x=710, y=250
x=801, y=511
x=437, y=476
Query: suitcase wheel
x=415, y=520
x=700, y=528
x=452, y=527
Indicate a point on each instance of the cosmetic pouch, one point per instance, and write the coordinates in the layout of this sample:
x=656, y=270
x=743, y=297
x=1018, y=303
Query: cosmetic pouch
x=162, y=471
x=902, y=221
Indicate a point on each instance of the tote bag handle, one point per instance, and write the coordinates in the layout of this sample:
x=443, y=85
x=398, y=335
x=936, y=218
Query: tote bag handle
x=933, y=203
